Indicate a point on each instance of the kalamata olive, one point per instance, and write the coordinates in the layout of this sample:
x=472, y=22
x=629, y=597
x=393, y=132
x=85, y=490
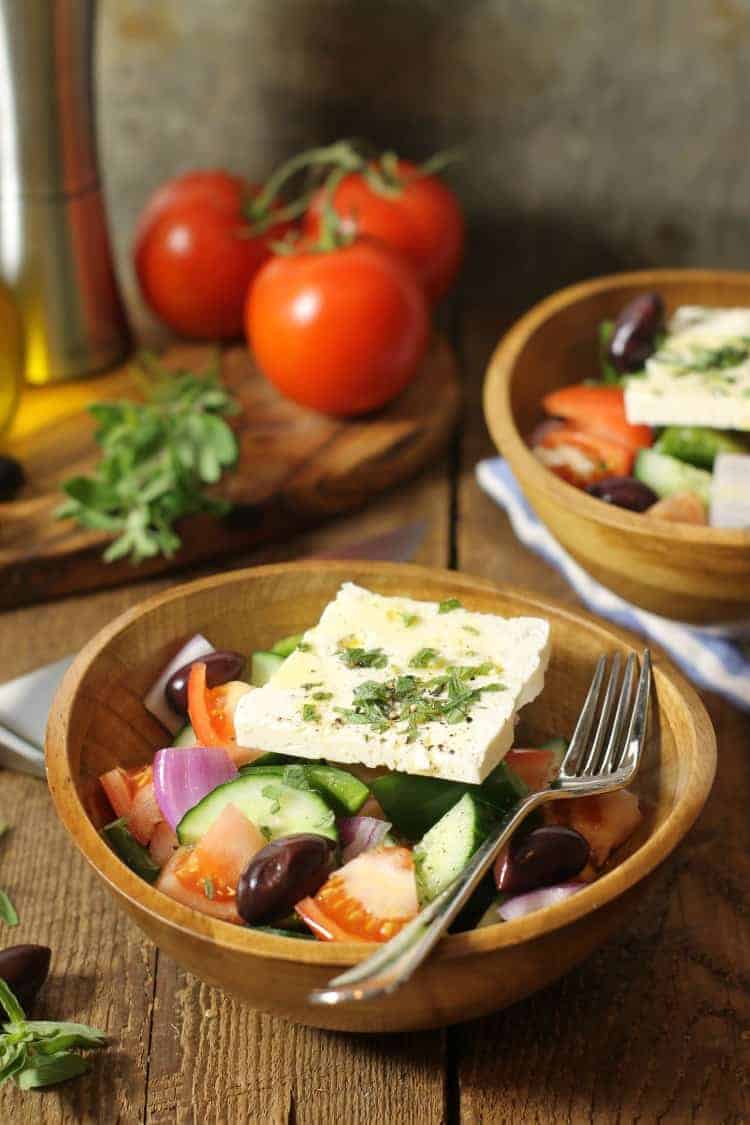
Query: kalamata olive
x=25, y=968
x=636, y=328
x=282, y=873
x=12, y=477
x=625, y=492
x=540, y=858
x=221, y=667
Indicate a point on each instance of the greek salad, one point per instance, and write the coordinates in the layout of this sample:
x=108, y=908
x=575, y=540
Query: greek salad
x=349, y=779
x=665, y=429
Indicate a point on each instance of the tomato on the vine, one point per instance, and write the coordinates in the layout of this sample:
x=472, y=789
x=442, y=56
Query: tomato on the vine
x=196, y=255
x=416, y=214
x=340, y=330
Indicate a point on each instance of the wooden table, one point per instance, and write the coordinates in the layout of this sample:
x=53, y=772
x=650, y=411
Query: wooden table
x=654, y=1028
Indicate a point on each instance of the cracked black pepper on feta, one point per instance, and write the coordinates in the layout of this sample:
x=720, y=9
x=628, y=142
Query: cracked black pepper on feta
x=422, y=687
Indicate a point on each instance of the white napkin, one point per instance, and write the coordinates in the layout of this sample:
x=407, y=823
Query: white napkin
x=711, y=657
x=24, y=707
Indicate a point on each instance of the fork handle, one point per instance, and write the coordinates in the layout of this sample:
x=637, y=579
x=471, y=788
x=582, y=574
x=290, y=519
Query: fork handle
x=395, y=962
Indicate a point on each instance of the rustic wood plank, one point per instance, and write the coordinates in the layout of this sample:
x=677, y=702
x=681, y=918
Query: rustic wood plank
x=214, y=1061
x=654, y=1026
x=295, y=469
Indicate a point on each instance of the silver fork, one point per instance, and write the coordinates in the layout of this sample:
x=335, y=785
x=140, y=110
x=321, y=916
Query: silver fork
x=601, y=763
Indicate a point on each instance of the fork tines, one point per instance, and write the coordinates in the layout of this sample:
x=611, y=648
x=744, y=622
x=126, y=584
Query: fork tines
x=616, y=718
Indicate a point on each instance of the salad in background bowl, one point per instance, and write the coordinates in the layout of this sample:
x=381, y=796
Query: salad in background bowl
x=620, y=405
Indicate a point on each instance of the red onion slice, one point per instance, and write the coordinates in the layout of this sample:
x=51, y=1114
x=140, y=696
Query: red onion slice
x=360, y=834
x=521, y=905
x=184, y=775
x=156, y=700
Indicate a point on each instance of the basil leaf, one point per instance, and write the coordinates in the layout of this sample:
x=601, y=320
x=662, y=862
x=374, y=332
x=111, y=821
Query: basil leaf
x=51, y=1037
x=12, y=1005
x=47, y=1070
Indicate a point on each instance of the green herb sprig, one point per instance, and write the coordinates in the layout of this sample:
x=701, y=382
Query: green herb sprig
x=447, y=698
x=38, y=1053
x=157, y=457
x=8, y=912
x=363, y=658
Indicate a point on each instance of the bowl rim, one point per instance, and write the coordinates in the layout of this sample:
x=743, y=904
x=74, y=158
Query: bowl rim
x=143, y=898
x=501, y=423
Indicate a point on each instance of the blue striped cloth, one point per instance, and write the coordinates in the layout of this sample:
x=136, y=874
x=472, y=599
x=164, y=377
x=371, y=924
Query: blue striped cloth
x=715, y=660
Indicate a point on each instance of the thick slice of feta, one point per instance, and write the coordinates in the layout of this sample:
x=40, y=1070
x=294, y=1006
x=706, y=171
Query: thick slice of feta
x=700, y=376
x=421, y=687
x=730, y=491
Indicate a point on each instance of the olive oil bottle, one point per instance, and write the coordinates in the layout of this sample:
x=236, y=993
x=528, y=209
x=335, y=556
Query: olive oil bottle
x=11, y=357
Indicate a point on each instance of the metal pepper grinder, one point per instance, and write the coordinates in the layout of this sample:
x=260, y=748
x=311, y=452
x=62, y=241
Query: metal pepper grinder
x=55, y=253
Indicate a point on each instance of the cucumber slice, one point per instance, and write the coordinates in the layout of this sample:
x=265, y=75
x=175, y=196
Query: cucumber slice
x=449, y=845
x=276, y=808
x=666, y=475
x=286, y=646
x=344, y=792
x=413, y=804
x=270, y=758
x=262, y=667
x=186, y=737
x=134, y=855
x=698, y=445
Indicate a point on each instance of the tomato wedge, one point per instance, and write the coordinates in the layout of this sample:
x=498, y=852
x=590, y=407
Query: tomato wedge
x=121, y=786
x=598, y=410
x=206, y=876
x=536, y=768
x=606, y=821
x=371, y=898
x=580, y=457
x=211, y=712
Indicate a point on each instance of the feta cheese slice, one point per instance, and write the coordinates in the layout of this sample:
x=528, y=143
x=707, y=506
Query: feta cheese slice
x=700, y=376
x=730, y=491
x=420, y=687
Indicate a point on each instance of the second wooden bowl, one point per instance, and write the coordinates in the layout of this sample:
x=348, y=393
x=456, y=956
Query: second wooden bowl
x=696, y=574
x=98, y=721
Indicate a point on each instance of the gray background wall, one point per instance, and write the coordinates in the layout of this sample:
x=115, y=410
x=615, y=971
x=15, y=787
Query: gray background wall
x=601, y=134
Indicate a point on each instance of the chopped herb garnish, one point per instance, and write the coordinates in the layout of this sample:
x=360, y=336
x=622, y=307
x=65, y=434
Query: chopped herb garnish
x=449, y=605
x=410, y=619
x=272, y=793
x=321, y=696
x=38, y=1053
x=363, y=658
x=703, y=360
x=411, y=702
x=424, y=658
x=8, y=912
x=309, y=712
x=208, y=887
x=309, y=687
x=304, y=646
x=295, y=777
x=470, y=629
x=266, y=831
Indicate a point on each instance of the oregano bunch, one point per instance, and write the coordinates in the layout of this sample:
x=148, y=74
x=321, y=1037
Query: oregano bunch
x=157, y=458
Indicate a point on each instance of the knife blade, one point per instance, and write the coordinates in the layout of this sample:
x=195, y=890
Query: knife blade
x=25, y=701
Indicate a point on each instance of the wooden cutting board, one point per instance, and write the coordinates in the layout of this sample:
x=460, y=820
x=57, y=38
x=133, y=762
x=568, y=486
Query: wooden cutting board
x=296, y=468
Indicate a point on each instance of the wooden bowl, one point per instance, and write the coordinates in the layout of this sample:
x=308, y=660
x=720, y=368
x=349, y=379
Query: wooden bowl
x=695, y=574
x=98, y=721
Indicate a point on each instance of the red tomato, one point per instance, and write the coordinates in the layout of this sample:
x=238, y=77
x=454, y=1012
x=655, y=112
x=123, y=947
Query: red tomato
x=580, y=457
x=605, y=821
x=206, y=876
x=536, y=768
x=371, y=898
x=421, y=220
x=211, y=712
x=195, y=256
x=342, y=331
x=121, y=786
x=599, y=410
